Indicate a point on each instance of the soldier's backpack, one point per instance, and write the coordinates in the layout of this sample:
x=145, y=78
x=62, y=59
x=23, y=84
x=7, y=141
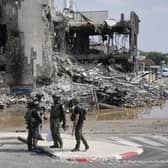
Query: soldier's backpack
x=82, y=112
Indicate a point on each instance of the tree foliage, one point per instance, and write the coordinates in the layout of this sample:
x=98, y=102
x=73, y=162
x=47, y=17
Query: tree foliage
x=157, y=57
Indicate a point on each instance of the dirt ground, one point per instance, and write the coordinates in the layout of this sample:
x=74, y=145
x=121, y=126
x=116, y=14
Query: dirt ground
x=98, y=125
x=143, y=126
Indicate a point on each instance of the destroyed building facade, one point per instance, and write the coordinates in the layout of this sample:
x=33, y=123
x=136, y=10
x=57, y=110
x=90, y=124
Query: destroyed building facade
x=25, y=41
x=92, y=35
x=81, y=52
x=30, y=31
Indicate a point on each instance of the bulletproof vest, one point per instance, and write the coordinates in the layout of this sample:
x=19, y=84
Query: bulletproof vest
x=82, y=113
x=32, y=116
x=55, y=111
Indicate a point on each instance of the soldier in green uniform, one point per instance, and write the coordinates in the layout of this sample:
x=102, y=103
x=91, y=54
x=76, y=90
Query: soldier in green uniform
x=57, y=115
x=78, y=116
x=33, y=120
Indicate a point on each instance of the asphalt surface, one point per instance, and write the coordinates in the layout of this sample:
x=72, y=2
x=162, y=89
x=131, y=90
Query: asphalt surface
x=14, y=154
x=151, y=134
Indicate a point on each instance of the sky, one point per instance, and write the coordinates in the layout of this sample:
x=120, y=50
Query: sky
x=153, y=14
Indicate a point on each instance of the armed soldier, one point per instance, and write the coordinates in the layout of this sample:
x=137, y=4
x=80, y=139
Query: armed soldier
x=33, y=120
x=57, y=115
x=78, y=116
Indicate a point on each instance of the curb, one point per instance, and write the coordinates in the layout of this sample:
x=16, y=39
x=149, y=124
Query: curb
x=50, y=153
x=129, y=155
x=83, y=159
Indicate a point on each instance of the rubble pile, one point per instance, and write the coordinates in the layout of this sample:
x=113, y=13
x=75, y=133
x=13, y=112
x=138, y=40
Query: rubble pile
x=7, y=100
x=100, y=85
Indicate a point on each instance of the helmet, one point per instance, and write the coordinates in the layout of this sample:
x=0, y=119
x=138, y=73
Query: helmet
x=75, y=101
x=36, y=103
x=29, y=103
x=56, y=97
x=39, y=96
x=32, y=103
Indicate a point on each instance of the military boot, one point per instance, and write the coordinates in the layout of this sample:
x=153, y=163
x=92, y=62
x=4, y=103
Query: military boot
x=75, y=150
x=86, y=147
x=54, y=146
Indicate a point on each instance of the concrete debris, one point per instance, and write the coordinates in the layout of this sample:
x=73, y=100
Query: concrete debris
x=100, y=84
x=73, y=54
x=8, y=100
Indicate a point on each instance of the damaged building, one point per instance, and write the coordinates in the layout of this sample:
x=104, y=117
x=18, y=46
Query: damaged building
x=30, y=38
x=25, y=41
x=91, y=35
x=72, y=53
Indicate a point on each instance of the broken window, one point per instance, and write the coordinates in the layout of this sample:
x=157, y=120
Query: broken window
x=95, y=40
x=121, y=42
x=96, y=44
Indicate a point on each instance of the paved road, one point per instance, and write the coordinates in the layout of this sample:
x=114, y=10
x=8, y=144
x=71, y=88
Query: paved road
x=13, y=154
x=155, y=152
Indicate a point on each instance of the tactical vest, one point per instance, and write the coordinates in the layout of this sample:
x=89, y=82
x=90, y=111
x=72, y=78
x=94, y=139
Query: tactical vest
x=55, y=111
x=32, y=117
x=82, y=113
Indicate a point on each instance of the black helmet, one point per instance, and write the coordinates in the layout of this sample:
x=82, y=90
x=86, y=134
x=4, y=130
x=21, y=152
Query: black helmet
x=35, y=103
x=30, y=103
x=39, y=96
x=56, y=97
x=75, y=101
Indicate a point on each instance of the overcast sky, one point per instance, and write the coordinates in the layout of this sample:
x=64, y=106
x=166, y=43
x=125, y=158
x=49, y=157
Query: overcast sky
x=153, y=15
